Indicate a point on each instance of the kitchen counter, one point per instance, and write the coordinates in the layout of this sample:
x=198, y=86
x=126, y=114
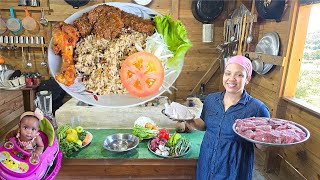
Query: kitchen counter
x=96, y=162
x=116, y=118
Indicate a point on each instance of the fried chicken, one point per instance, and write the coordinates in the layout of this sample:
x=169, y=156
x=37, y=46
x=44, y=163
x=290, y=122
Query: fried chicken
x=65, y=37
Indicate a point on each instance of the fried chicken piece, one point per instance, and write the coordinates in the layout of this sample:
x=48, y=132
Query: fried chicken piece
x=137, y=23
x=83, y=25
x=111, y=29
x=65, y=37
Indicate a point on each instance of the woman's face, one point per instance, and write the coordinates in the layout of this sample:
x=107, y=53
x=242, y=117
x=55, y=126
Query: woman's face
x=235, y=78
x=29, y=126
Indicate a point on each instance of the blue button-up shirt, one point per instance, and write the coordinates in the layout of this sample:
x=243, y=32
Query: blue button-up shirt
x=223, y=154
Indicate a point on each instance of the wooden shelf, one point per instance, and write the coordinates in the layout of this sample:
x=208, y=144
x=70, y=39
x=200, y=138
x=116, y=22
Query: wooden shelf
x=276, y=60
x=23, y=45
x=5, y=6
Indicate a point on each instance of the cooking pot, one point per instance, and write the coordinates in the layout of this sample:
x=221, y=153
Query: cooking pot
x=270, y=9
x=77, y=4
x=206, y=11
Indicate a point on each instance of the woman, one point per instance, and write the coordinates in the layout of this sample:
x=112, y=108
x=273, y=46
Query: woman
x=223, y=154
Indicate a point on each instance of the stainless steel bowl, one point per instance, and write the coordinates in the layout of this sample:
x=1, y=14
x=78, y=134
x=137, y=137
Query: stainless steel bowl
x=120, y=142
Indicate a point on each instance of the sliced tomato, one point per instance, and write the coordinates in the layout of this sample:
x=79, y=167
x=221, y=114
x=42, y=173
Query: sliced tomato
x=142, y=74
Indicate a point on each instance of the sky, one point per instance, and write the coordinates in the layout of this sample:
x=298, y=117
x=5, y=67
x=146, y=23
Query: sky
x=314, y=24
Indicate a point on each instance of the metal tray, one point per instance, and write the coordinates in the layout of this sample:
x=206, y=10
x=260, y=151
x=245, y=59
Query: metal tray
x=268, y=44
x=276, y=144
x=168, y=156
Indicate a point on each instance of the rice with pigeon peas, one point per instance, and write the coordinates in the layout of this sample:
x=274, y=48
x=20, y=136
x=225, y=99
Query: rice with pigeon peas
x=99, y=60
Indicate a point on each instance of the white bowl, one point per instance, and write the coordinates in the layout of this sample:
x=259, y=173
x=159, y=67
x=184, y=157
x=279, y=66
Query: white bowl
x=143, y=2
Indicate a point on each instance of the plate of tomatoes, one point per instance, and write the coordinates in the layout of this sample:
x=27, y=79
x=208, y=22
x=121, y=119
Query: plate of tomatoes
x=144, y=71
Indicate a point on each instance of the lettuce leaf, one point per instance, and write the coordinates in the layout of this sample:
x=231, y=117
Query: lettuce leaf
x=175, y=35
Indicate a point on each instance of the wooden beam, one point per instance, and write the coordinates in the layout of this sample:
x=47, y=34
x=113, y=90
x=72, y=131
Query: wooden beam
x=297, y=40
x=276, y=60
x=207, y=76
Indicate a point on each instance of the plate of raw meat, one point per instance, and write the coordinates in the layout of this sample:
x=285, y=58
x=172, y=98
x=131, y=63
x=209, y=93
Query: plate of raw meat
x=271, y=131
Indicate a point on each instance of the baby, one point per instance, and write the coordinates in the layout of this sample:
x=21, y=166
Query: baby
x=27, y=134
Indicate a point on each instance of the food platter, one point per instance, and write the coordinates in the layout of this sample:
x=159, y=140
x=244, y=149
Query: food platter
x=305, y=130
x=179, y=156
x=78, y=90
x=174, y=119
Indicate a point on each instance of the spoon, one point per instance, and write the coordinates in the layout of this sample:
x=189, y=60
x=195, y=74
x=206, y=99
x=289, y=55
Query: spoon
x=43, y=63
x=43, y=20
x=250, y=37
x=29, y=63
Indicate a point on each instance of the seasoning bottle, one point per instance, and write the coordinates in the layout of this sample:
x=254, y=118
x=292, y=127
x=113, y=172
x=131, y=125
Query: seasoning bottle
x=202, y=94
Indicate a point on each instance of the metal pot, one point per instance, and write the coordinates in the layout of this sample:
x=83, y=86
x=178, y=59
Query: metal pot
x=77, y=4
x=270, y=9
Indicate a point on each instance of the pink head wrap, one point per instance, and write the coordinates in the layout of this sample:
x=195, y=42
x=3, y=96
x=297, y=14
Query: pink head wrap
x=37, y=113
x=242, y=61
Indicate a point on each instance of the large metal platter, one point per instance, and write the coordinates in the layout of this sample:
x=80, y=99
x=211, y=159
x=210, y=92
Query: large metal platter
x=77, y=90
x=268, y=44
x=275, y=144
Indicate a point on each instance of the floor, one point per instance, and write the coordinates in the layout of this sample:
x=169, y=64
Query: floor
x=258, y=170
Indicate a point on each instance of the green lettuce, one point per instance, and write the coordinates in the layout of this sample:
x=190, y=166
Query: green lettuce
x=175, y=35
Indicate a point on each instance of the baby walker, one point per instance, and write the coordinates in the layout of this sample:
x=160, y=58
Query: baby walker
x=15, y=163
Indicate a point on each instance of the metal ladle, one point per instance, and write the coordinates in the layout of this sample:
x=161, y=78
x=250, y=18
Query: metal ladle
x=29, y=63
x=43, y=20
x=43, y=63
x=250, y=37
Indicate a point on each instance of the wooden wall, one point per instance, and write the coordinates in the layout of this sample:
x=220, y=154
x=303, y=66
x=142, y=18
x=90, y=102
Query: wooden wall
x=11, y=107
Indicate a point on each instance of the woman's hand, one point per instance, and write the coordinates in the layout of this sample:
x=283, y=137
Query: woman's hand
x=196, y=124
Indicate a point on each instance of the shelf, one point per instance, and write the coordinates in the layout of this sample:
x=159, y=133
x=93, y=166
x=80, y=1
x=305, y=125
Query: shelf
x=23, y=45
x=267, y=58
x=30, y=8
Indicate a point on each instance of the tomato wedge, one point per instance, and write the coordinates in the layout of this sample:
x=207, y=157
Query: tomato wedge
x=142, y=74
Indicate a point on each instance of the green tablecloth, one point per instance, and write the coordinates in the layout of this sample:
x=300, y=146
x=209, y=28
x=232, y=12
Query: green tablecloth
x=95, y=149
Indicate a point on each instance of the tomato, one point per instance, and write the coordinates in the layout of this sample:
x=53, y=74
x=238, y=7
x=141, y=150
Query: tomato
x=2, y=61
x=142, y=74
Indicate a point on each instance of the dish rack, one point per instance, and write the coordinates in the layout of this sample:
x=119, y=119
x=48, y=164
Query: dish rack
x=13, y=84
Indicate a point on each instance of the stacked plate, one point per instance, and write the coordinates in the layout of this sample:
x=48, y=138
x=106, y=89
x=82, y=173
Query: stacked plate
x=268, y=44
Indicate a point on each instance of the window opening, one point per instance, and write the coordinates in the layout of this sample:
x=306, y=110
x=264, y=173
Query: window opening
x=308, y=86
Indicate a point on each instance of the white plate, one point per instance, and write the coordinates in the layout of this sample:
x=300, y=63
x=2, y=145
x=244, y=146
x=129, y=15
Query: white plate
x=305, y=130
x=113, y=100
x=268, y=44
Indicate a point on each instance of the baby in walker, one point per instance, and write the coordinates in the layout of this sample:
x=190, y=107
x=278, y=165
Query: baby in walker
x=27, y=134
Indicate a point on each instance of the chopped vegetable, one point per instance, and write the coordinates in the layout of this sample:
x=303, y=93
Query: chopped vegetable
x=86, y=140
x=164, y=133
x=175, y=36
x=143, y=133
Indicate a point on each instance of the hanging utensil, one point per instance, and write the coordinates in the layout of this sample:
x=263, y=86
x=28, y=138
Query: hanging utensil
x=250, y=36
x=29, y=63
x=29, y=23
x=206, y=12
x=3, y=27
x=13, y=24
x=24, y=62
x=43, y=20
x=43, y=63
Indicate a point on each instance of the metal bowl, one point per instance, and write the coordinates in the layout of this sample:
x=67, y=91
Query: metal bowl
x=120, y=142
x=4, y=67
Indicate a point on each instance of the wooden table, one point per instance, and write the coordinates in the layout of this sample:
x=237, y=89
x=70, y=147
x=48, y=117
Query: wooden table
x=95, y=162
